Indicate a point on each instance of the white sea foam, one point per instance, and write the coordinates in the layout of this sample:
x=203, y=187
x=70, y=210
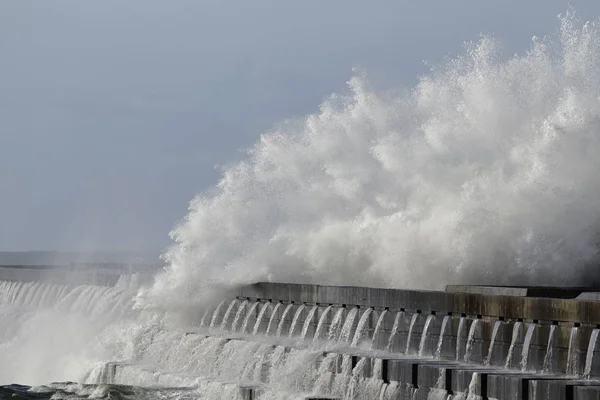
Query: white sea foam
x=486, y=171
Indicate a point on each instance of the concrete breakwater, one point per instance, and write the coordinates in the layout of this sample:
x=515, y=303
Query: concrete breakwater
x=492, y=342
x=470, y=342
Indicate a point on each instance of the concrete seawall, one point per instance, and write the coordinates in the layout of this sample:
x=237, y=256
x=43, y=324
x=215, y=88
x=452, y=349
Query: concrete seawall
x=481, y=342
x=530, y=334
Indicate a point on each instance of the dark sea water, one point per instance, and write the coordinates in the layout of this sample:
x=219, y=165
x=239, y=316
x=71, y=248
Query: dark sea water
x=70, y=390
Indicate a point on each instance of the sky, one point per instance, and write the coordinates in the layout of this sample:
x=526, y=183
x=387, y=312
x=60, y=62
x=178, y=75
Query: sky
x=115, y=113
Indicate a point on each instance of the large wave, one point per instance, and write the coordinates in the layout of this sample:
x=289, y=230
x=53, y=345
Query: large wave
x=485, y=172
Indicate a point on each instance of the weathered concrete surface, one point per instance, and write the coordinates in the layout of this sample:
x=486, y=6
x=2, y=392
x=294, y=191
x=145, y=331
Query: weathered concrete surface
x=562, y=389
x=530, y=291
x=556, y=326
x=350, y=295
x=471, y=304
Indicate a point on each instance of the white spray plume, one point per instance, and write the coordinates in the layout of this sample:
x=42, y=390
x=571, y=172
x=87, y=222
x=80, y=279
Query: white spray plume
x=485, y=172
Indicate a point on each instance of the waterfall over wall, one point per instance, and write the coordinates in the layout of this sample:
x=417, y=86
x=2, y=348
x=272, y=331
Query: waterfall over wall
x=57, y=331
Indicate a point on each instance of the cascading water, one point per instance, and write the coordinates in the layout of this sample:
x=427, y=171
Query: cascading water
x=471, y=340
x=472, y=390
x=249, y=315
x=283, y=319
x=399, y=317
x=321, y=323
x=589, y=359
x=296, y=319
x=547, y=366
x=34, y=315
x=261, y=316
x=459, y=335
x=336, y=325
x=342, y=378
x=413, y=320
x=225, y=321
x=423, y=341
x=573, y=352
x=272, y=318
x=204, y=317
x=216, y=314
x=488, y=358
x=378, y=328
x=440, y=344
x=346, y=332
x=326, y=373
x=354, y=386
x=238, y=315
x=527, y=345
x=362, y=327
x=513, y=341
x=308, y=321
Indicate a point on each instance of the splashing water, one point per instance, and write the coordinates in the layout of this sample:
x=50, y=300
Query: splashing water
x=413, y=320
x=282, y=321
x=273, y=314
x=589, y=359
x=573, y=352
x=513, y=341
x=61, y=330
x=377, y=330
x=423, y=342
x=238, y=315
x=443, y=180
x=548, y=358
x=336, y=325
x=459, y=335
x=526, y=346
x=308, y=321
x=362, y=327
x=488, y=358
x=260, y=317
x=394, y=332
x=216, y=314
x=471, y=340
x=225, y=321
x=438, y=349
x=346, y=332
x=205, y=317
x=321, y=323
x=249, y=315
x=296, y=319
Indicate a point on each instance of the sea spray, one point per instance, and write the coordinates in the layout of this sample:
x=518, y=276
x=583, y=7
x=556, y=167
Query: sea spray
x=444, y=180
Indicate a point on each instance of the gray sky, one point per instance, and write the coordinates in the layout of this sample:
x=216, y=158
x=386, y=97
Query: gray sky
x=114, y=113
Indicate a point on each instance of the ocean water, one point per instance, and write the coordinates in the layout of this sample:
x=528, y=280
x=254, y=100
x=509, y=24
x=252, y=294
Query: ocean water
x=485, y=171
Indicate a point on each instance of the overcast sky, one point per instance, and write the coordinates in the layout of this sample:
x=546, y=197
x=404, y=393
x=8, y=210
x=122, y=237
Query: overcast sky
x=114, y=113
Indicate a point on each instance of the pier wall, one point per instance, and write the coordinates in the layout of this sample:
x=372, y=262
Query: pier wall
x=548, y=333
x=487, y=342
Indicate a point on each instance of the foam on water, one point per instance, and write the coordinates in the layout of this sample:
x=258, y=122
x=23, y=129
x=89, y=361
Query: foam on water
x=444, y=180
x=50, y=331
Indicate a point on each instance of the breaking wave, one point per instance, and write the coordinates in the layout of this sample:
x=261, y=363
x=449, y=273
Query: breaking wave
x=485, y=172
